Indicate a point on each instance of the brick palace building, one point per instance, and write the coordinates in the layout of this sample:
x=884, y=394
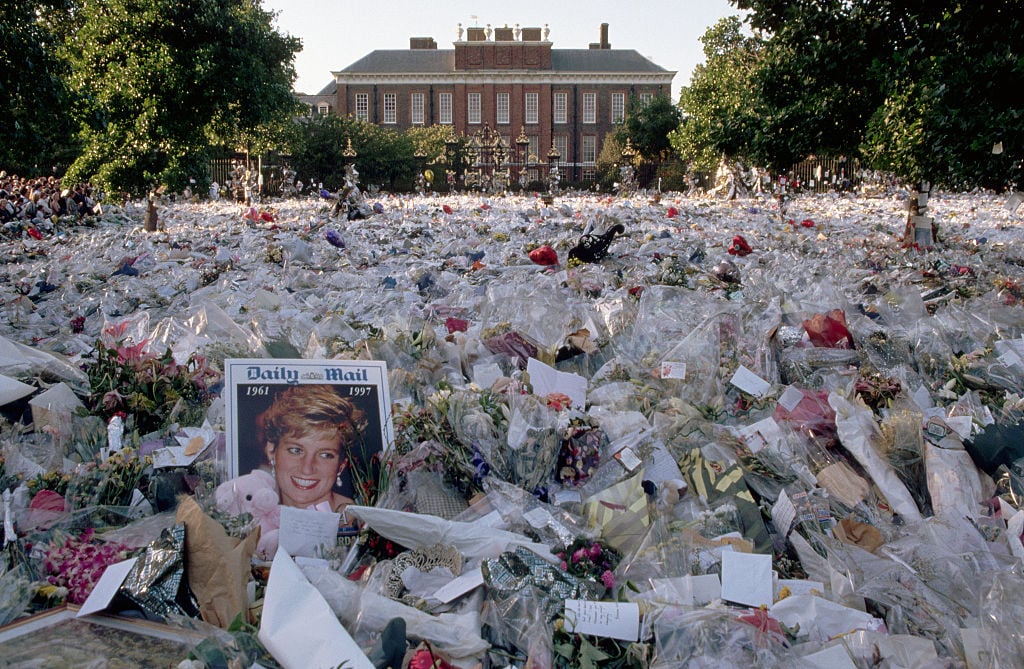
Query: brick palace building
x=508, y=81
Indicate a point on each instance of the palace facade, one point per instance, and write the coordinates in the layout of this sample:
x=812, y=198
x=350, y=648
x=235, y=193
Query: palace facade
x=506, y=82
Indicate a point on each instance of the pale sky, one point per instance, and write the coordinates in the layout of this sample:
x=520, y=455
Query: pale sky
x=336, y=33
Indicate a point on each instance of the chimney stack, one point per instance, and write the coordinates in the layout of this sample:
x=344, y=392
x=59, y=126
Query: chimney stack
x=604, y=36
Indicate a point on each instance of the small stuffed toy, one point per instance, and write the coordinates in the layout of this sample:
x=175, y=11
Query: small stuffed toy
x=253, y=493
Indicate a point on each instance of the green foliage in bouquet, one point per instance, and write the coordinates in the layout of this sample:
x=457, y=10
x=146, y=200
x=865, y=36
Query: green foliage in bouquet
x=585, y=651
x=54, y=481
x=109, y=482
x=8, y=479
x=155, y=390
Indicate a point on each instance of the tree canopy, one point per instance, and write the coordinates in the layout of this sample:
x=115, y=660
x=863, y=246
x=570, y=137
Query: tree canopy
x=160, y=82
x=647, y=126
x=719, y=108
x=35, y=123
x=922, y=88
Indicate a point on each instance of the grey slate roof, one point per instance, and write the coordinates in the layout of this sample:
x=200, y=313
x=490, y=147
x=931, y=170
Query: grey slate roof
x=383, y=61
x=441, y=61
x=601, y=60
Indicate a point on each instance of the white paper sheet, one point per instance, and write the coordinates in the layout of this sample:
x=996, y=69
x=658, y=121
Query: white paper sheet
x=615, y=620
x=687, y=590
x=749, y=382
x=747, y=578
x=305, y=532
x=105, y=589
x=833, y=657
x=299, y=628
x=783, y=513
x=791, y=398
x=546, y=379
x=457, y=587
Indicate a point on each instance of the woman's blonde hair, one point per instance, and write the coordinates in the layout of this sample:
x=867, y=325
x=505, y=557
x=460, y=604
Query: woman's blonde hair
x=302, y=409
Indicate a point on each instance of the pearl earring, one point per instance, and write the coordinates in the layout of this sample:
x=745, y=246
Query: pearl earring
x=338, y=479
x=273, y=468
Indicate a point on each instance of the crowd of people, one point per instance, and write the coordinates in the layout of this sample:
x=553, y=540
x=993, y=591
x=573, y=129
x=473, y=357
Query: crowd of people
x=37, y=199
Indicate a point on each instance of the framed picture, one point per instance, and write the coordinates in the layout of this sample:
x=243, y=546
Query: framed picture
x=315, y=425
x=57, y=638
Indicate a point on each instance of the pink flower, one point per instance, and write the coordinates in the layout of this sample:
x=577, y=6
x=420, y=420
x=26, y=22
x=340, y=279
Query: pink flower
x=132, y=353
x=579, y=554
x=608, y=579
x=595, y=551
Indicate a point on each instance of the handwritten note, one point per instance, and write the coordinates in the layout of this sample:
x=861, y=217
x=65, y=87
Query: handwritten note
x=783, y=513
x=304, y=532
x=615, y=620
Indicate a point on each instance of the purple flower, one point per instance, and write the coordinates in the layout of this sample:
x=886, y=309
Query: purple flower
x=595, y=551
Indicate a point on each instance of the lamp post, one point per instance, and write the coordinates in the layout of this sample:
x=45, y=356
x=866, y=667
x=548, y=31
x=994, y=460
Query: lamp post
x=421, y=179
x=451, y=148
x=522, y=151
x=554, y=156
x=627, y=174
x=501, y=175
x=349, y=154
x=471, y=176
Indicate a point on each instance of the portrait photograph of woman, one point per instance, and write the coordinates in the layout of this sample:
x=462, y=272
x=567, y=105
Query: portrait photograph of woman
x=317, y=440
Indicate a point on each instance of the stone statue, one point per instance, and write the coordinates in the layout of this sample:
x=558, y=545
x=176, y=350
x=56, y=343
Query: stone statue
x=460, y=33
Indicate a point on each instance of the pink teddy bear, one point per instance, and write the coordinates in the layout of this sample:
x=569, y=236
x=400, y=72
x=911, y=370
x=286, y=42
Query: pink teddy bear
x=254, y=493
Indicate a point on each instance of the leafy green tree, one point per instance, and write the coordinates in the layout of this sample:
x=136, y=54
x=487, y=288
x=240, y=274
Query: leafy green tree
x=609, y=160
x=647, y=126
x=383, y=156
x=952, y=95
x=36, y=131
x=923, y=88
x=160, y=82
x=719, y=110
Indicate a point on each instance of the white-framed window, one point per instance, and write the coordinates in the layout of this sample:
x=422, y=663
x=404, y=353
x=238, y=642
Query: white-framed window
x=390, y=108
x=444, y=108
x=590, y=107
x=530, y=108
x=416, y=108
x=323, y=109
x=534, y=149
x=589, y=149
x=473, y=108
x=501, y=109
x=618, y=107
x=560, y=111
x=645, y=99
x=362, y=106
x=561, y=143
